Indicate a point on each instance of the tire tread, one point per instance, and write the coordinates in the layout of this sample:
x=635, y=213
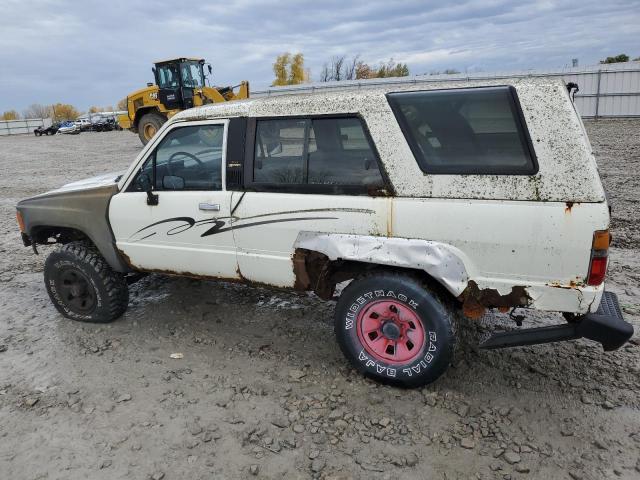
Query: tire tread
x=115, y=284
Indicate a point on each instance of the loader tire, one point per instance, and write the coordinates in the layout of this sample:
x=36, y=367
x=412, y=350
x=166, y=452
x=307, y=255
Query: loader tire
x=148, y=125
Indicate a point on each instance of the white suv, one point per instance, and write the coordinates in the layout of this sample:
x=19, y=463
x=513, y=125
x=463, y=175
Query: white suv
x=429, y=199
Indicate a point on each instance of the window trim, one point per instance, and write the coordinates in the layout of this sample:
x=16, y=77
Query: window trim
x=307, y=188
x=128, y=187
x=518, y=116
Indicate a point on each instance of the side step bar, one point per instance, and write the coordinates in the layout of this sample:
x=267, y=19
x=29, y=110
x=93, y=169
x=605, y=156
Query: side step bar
x=606, y=326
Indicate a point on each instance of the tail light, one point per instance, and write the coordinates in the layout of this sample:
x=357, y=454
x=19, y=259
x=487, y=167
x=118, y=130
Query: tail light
x=599, y=257
x=20, y=221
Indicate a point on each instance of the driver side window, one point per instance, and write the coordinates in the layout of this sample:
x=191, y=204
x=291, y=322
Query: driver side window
x=187, y=158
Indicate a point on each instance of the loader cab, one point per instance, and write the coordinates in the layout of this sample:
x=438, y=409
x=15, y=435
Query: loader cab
x=177, y=79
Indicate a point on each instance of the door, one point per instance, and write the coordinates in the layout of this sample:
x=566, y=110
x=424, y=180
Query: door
x=306, y=175
x=169, y=90
x=187, y=231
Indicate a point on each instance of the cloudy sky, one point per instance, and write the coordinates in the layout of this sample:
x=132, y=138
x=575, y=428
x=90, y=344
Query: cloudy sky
x=94, y=53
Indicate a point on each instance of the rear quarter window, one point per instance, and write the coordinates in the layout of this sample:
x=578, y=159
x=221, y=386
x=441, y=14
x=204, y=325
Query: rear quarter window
x=466, y=131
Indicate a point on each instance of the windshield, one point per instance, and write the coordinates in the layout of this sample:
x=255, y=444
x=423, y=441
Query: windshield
x=168, y=76
x=192, y=75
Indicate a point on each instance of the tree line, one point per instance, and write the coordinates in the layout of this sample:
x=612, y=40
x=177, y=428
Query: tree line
x=289, y=69
x=58, y=112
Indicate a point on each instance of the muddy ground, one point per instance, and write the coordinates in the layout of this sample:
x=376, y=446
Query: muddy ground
x=262, y=389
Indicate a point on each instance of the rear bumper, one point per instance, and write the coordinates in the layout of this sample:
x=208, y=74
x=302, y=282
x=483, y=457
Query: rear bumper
x=605, y=326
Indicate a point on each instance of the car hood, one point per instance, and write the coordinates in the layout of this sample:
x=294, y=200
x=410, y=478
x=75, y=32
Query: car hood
x=103, y=180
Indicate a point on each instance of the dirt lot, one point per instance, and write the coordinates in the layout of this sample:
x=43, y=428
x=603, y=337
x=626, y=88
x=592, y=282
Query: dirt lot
x=263, y=389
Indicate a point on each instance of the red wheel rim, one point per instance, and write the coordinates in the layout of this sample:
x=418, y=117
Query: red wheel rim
x=390, y=332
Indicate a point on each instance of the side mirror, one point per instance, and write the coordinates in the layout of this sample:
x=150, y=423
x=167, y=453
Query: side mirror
x=172, y=182
x=144, y=184
x=367, y=164
x=209, y=68
x=258, y=164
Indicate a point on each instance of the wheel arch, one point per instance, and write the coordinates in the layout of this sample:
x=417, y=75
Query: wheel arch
x=143, y=111
x=58, y=234
x=322, y=260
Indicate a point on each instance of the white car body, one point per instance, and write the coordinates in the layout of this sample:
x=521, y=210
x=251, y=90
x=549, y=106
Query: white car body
x=520, y=235
x=82, y=123
x=71, y=129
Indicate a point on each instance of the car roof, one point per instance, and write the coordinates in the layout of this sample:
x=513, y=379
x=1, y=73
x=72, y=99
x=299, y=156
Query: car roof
x=181, y=59
x=339, y=99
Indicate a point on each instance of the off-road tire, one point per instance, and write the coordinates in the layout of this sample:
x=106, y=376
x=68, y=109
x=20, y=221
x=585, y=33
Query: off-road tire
x=151, y=119
x=107, y=288
x=421, y=314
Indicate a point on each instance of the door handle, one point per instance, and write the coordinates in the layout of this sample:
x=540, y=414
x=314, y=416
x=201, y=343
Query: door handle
x=209, y=207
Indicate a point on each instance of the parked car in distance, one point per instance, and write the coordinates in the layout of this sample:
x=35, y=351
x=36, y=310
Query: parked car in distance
x=104, y=125
x=69, y=128
x=427, y=203
x=83, y=124
x=51, y=130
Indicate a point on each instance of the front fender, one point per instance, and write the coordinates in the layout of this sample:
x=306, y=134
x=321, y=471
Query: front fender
x=84, y=210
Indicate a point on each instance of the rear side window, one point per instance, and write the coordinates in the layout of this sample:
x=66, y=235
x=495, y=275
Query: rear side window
x=318, y=151
x=465, y=131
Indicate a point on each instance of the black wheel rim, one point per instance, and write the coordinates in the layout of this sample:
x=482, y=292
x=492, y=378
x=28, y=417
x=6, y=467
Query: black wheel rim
x=76, y=291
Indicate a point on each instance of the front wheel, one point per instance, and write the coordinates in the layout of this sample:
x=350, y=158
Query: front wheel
x=394, y=330
x=148, y=125
x=82, y=285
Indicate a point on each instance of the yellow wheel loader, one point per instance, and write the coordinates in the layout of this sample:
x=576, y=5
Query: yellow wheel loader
x=179, y=84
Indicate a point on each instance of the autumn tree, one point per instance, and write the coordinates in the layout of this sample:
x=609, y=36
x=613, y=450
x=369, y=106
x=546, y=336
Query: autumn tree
x=94, y=109
x=289, y=70
x=364, y=70
x=122, y=104
x=63, y=111
x=297, y=73
x=10, y=115
x=37, y=110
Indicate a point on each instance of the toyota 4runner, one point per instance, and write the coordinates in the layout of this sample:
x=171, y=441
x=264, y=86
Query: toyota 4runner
x=431, y=200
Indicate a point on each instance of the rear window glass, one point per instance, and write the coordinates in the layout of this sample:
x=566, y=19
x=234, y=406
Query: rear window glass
x=465, y=131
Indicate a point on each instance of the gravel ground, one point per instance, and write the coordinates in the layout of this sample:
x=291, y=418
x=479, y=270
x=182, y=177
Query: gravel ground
x=262, y=389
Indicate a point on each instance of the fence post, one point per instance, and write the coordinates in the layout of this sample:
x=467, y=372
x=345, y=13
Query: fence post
x=598, y=93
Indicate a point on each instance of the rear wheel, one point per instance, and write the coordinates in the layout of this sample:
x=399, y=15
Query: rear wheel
x=82, y=285
x=148, y=125
x=394, y=330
